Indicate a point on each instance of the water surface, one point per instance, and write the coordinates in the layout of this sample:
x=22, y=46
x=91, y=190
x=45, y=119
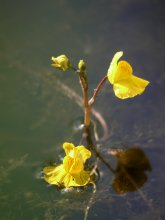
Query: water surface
x=37, y=114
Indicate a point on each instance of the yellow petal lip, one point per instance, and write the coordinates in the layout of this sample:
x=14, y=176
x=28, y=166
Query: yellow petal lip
x=68, y=147
x=60, y=177
x=71, y=172
x=85, y=153
x=130, y=88
x=54, y=174
x=79, y=151
x=120, y=75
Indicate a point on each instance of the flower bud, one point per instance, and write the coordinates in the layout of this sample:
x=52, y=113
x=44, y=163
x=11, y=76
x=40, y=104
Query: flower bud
x=82, y=65
x=61, y=62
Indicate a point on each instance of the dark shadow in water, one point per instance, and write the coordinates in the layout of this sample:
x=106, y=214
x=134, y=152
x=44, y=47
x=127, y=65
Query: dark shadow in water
x=130, y=173
x=130, y=170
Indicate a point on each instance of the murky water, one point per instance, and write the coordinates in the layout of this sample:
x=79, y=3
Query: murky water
x=40, y=105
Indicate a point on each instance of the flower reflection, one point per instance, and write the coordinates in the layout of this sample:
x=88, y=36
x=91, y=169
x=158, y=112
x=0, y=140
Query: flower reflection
x=130, y=171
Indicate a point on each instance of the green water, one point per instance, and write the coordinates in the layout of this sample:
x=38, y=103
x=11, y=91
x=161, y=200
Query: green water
x=38, y=112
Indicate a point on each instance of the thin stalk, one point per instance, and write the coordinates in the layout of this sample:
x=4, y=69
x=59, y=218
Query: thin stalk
x=84, y=86
x=91, y=146
x=91, y=101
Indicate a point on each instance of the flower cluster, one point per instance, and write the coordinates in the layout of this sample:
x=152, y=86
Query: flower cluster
x=120, y=75
x=125, y=85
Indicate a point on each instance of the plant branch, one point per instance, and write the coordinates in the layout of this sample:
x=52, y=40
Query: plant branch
x=91, y=146
x=91, y=101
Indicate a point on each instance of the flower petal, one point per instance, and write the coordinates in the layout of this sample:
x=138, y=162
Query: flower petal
x=68, y=162
x=54, y=59
x=124, y=71
x=61, y=62
x=68, y=147
x=49, y=170
x=113, y=67
x=54, y=175
x=130, y=87
x=73, y=165
x=56, y=65
x=80, y=179
x=85, y=153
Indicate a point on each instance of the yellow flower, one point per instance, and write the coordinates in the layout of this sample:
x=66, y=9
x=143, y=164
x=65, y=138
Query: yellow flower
x=125, y=84
x=61, y=62
x=71, y=172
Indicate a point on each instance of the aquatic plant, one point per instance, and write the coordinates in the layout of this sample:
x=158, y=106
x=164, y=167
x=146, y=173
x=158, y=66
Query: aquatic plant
x=72, y=172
